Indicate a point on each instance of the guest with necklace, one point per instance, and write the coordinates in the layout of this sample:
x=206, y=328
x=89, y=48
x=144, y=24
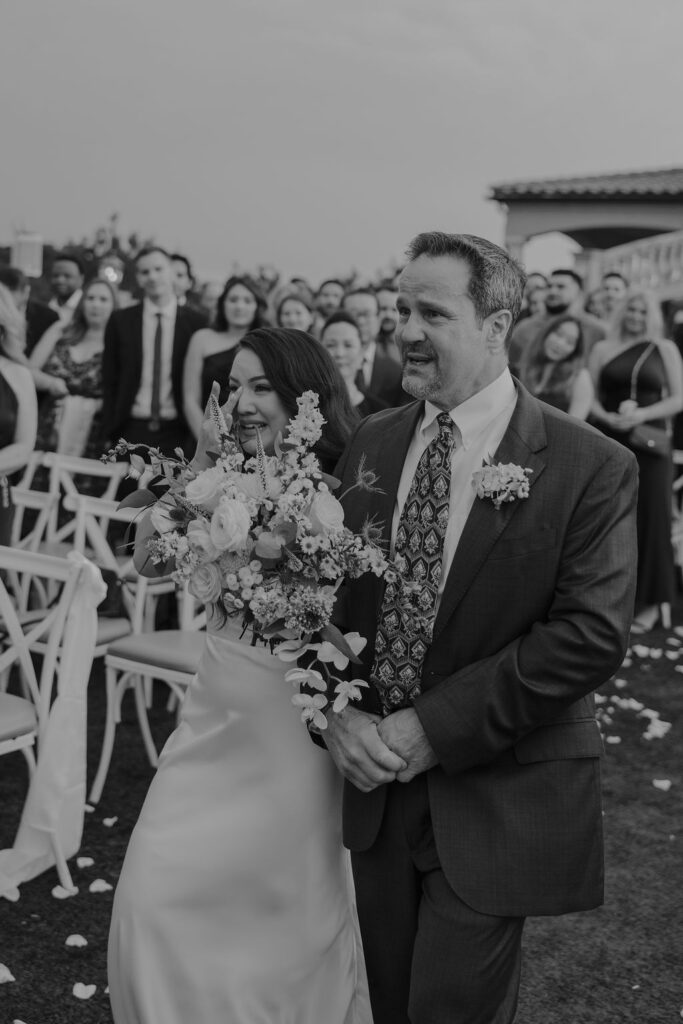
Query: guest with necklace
x=240, y=308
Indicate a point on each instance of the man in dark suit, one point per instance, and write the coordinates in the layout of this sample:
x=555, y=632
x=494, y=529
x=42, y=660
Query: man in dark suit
x=379, y=375
x=144, y=352
x=37, y=316
x=472, y=797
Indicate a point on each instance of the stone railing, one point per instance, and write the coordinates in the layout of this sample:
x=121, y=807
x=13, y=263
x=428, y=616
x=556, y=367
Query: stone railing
x=655, y=263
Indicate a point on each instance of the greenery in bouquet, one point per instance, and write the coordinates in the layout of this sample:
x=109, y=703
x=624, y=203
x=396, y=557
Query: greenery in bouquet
x=262, y=538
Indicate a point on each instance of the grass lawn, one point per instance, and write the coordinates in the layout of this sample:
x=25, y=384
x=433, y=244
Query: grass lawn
x=621, y=963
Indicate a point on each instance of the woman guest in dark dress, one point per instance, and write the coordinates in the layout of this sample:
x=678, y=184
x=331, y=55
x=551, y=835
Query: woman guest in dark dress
x=638, y=378
x=71, y=356
x=18, y=408
x=554, y=367
x=240, y=308
x=341, y=337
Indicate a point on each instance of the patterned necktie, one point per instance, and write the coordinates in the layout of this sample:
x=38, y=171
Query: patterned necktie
x=401, y=644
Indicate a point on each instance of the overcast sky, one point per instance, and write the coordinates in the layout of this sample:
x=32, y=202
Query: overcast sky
x=319, y=135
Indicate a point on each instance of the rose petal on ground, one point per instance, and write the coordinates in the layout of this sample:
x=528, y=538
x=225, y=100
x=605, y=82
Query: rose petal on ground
x=626, y=663
x=108, y=822
x=678, y=668
x=76, y=940
x=613, y=739
x=82, y=991
x=99, y=885
x=620, y=683
x=655, y=652
x=640, y=650
x=663, y=784
x=674, y=641
x=89, y=808
x=5, y=975
x=672, y=655
x=60, y=893
x=599, y=699
x=84, y=862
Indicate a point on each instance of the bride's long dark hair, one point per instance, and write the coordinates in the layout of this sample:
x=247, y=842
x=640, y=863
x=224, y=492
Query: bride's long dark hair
x=295, y=362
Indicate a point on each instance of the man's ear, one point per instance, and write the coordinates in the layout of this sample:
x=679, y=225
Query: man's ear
x=497, y=326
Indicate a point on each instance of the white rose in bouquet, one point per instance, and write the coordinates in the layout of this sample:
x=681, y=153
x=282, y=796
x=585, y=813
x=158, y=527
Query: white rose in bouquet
x=326, y=513
x=205, y=583
x=199, y=539
x=206, y=488
x=230, y=525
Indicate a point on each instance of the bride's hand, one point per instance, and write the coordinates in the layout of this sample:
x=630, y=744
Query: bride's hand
x=208, y=434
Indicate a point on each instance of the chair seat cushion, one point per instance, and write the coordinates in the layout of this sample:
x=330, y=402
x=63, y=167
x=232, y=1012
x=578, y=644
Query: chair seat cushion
x=17, y=716
x=109, y=630
x=175, y=649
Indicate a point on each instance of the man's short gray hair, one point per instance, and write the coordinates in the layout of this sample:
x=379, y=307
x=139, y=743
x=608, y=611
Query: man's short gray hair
x=496, y=279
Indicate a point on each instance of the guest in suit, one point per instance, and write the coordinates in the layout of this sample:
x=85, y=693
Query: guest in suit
x=472, y=797
x=379, y=375
x=388, y=320
x=38, y=317
x=144, y=351
x=341, y=337
x=241, y=307
x=66, y=283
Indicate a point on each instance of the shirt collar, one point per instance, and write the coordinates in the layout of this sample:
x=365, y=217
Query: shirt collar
x=151, y=309
x=476, y=413
x=369, y=352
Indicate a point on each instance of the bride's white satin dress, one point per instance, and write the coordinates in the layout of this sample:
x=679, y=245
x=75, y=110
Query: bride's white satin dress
x=234, y=904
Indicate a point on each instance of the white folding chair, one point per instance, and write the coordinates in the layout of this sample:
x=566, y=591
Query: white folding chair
x=169, y=655
x=65, y=471
x=23, y=720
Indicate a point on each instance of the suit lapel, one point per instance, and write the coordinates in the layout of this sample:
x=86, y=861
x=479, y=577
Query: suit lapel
x=179, y=348
x=522, y=444
x=135, y=349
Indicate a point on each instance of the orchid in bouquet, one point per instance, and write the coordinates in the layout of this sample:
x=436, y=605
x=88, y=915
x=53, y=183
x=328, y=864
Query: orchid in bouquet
x=263, y=539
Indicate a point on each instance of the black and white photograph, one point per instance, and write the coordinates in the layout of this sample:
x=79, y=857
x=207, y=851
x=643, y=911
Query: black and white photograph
x=341, y=512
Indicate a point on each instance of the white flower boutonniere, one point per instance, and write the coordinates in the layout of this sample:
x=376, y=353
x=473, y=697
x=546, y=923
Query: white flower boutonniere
x=501, y=482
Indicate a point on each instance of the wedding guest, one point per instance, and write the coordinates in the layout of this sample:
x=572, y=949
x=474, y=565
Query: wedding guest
x=37, y=316
x=70, y=355
x=183, y=278
x=554, y=367
x=638, y=378
x=535, y=301
x=341, y=337
x=524, y=608
x=66, y=284
x=241, y=307
x=209, y=293
x=294, y=312
x=595, y=304
x=378, y=375
x=144, y=352
x=328, y=297
x=18, y=408
x=564, y=295
x=388, y=320
x=537, y=284
x=614, y=287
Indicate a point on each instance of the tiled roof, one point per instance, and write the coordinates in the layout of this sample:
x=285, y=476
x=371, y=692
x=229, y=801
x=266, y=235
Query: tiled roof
x=666, y=182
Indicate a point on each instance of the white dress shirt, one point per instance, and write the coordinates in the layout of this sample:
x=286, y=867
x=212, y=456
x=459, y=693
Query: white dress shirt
x=480, y=423
x=367, y=367
x=142, y=407
x=65, y=310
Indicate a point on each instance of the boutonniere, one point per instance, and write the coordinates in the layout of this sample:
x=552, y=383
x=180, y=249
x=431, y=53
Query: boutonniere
x=501, y=481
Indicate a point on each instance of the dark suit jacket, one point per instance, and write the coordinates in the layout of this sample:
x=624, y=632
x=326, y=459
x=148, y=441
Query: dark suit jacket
x=122, y=363
x=38, y=318
x=534, y=616
x=385, y=380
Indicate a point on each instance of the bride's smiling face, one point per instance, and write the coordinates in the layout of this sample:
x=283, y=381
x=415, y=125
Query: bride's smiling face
x=259, y=404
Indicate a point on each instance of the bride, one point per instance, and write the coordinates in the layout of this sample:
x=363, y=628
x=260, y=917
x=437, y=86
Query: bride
x=234, y=903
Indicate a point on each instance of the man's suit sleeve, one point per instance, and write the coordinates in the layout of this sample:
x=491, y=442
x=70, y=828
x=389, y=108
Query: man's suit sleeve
x=110, y=377
x=478, y=712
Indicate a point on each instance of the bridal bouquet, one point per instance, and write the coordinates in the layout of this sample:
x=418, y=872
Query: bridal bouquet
x=263, y=539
